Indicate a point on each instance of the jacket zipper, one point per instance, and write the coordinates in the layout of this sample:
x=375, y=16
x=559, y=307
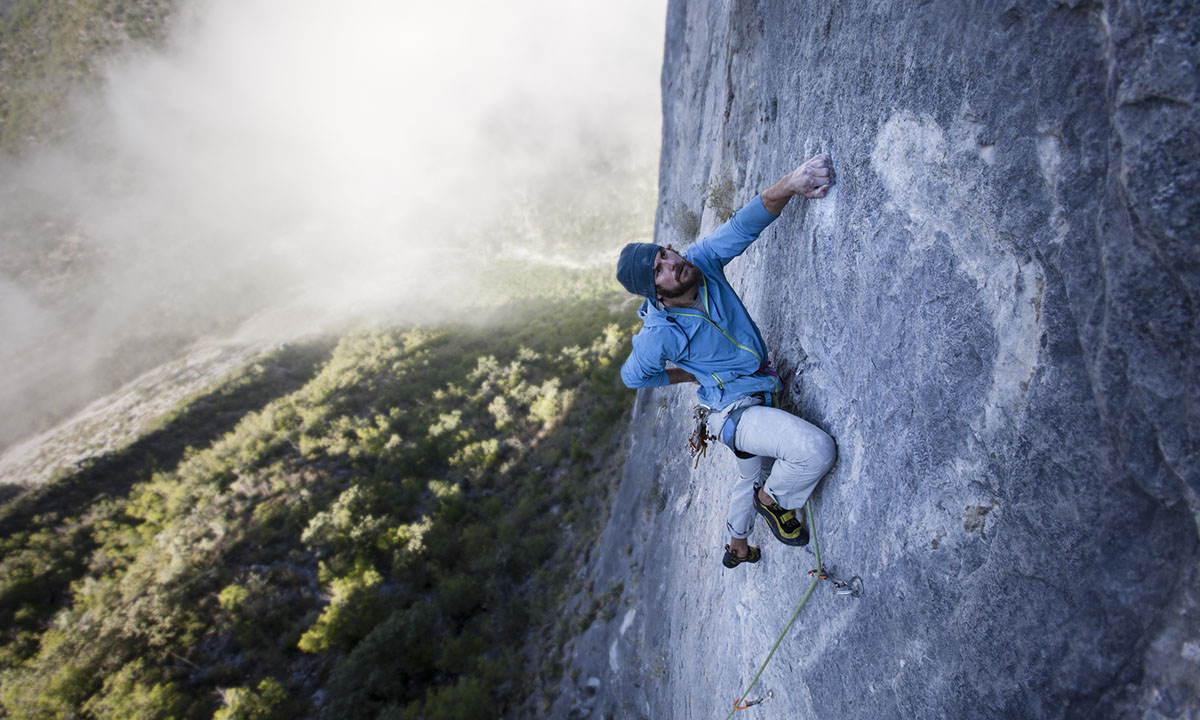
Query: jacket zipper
x=721, y=383
x=721, y=329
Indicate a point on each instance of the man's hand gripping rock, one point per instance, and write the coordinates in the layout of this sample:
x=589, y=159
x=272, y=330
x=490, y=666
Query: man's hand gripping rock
x=811, y=180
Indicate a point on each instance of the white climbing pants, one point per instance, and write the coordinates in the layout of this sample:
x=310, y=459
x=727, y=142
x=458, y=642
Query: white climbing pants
x=800, y=453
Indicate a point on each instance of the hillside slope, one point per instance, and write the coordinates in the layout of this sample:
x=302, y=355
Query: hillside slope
x=993, y=312
x=386, y=526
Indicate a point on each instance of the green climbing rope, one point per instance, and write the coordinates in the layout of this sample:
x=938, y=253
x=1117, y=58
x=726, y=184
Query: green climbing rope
x=812, y=586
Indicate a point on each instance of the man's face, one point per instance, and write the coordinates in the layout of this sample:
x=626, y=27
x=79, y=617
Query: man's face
x=673, y=276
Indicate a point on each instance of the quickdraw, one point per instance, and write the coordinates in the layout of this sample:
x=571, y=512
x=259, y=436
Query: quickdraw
x=852, y=587
x=770, y=694
x=698, y=442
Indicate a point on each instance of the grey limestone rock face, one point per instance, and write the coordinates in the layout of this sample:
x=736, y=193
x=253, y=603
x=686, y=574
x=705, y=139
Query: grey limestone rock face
x=993, y=313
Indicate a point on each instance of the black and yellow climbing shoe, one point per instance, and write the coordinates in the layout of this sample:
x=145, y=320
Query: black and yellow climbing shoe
x=731, y=560
x=784, y=524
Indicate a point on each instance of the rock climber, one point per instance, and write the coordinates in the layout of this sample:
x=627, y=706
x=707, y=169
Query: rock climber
x=696, y=329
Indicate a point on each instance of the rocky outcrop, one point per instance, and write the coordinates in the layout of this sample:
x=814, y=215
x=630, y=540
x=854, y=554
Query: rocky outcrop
x=993, y=312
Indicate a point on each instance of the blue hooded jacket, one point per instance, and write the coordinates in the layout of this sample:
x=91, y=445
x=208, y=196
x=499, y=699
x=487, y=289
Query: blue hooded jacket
x=719, y=344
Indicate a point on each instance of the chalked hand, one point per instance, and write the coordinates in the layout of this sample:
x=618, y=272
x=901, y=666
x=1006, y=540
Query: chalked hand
x=814, y=178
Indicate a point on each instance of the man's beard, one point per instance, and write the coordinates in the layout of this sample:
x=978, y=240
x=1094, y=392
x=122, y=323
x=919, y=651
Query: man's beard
x=684, y=289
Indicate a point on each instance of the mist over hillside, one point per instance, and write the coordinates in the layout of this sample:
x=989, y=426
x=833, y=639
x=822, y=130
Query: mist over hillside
x=369, y=162
x=350, y=275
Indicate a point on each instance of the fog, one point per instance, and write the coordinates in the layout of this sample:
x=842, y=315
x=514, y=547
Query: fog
x=312, y=162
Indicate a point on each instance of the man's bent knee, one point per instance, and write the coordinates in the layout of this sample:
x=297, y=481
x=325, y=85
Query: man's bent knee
x=826, y=453
x=813, y=449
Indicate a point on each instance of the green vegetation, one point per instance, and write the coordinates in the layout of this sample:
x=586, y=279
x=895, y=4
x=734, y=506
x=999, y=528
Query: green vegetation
x=382, y=526
x=719, y=196
x=49, y=47
x=686, y=222
x=386, y=524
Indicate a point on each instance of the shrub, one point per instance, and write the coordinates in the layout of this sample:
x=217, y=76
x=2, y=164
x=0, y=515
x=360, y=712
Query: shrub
x=132, y=693
x=266, y=702
x=353, y=610
x=719, y=196
x=391, y=665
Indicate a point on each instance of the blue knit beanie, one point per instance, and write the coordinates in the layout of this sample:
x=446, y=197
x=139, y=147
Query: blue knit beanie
x=635, y=269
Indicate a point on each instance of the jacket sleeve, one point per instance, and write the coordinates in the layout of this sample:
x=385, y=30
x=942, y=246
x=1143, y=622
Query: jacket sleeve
x=731, y=239
x=646, y=366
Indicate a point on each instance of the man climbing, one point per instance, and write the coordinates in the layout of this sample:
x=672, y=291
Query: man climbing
x=693, y=319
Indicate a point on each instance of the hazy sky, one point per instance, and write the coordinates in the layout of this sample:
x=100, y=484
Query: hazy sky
x=332, y=140
x=343, y=149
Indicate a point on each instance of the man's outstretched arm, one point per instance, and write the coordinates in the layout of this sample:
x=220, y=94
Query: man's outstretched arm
x=812, y=180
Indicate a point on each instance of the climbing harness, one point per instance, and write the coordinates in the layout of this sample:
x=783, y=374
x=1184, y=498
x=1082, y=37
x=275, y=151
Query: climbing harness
x=766, y=368
x=698, y=442
x=817, y=575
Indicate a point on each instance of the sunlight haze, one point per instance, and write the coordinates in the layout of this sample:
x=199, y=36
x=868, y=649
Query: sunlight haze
x=372, y=156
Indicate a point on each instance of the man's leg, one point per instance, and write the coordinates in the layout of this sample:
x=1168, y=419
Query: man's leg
x=751, y=473
x=803, y=452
